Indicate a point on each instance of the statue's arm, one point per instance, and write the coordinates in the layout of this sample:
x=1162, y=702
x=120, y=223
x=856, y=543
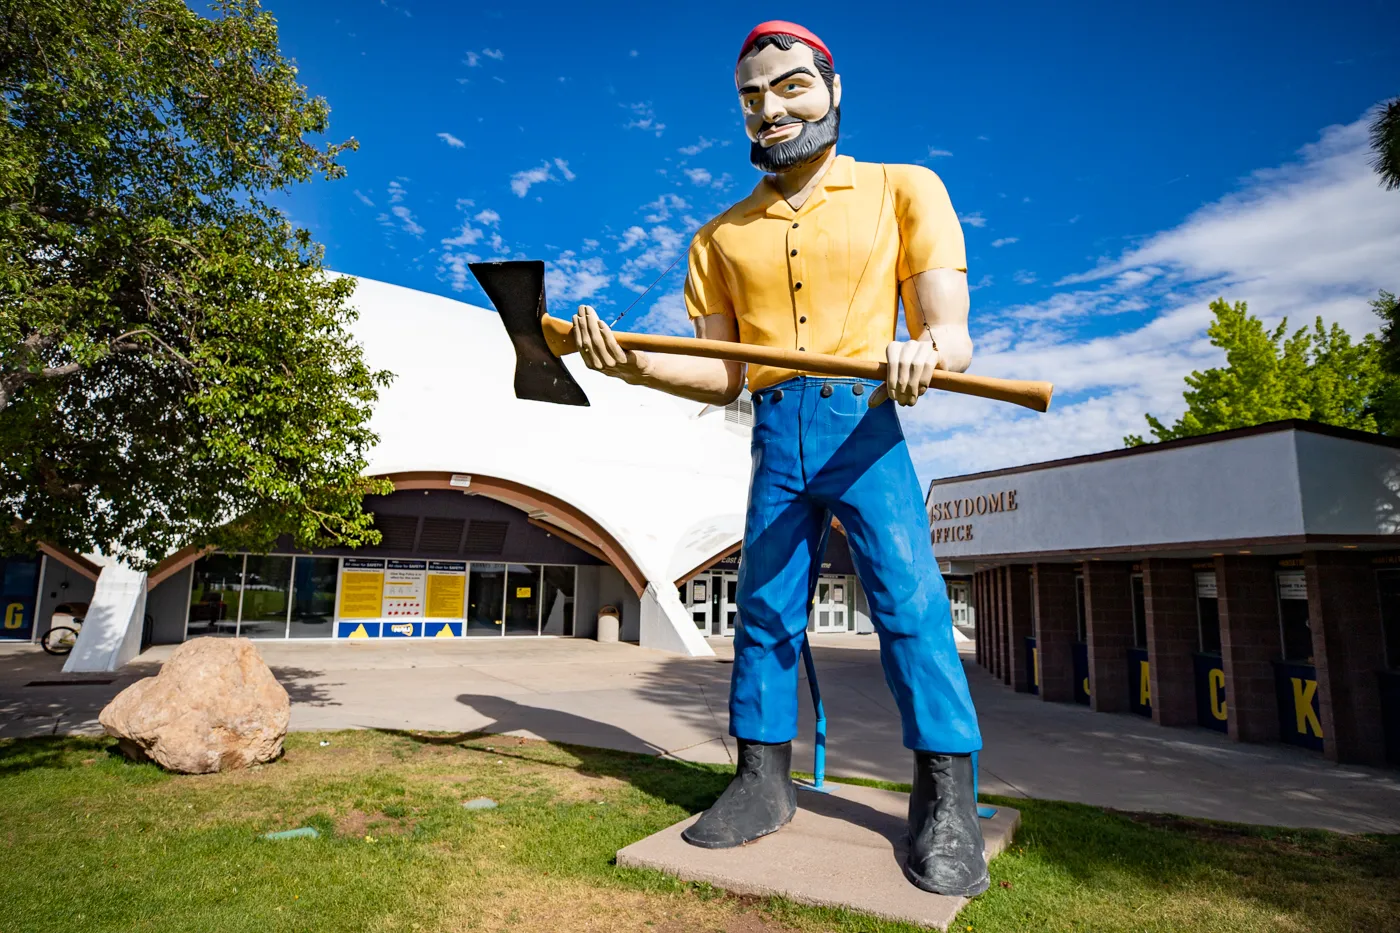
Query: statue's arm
x=936, y=303
x=715, y=382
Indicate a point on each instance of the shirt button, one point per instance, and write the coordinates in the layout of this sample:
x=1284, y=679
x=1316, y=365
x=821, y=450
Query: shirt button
x=794, y=226
x=802, y=349
x=797, y=287
x=793, y=253
x=802, y=319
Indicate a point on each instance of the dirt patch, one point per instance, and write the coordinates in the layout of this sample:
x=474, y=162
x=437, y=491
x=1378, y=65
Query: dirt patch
x=548, y=905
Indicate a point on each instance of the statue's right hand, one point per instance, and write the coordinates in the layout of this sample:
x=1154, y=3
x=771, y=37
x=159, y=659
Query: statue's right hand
x=600, y=350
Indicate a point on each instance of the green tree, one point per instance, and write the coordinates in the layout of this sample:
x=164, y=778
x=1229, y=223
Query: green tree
x=1385, y=143
x=175, y=365
x=1271, y=375
x=1387, y=307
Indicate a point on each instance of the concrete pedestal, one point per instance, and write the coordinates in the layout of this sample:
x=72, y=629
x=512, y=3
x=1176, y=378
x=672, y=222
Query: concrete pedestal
x=844, y=849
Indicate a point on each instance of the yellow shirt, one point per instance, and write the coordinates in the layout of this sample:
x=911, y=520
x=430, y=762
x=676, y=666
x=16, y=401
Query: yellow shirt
x=825, y=278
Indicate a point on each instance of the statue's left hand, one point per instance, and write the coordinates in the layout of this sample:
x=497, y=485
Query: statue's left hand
x=912, y=364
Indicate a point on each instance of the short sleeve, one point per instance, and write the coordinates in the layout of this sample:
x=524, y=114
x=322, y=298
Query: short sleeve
x=706, y=292
x=929, y=233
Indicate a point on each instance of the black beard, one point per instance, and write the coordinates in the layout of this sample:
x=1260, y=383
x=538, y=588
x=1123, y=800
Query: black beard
x=816, y=137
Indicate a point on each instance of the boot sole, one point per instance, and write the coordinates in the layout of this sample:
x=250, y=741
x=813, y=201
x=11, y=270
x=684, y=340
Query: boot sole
x=979, y=886
x=734, y=845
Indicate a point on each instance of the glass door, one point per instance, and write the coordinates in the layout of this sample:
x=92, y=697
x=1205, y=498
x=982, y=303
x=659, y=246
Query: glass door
x=522, y=615
x=486, y=590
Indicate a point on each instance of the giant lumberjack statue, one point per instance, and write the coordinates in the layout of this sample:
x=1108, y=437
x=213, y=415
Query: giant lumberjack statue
x=817, y=259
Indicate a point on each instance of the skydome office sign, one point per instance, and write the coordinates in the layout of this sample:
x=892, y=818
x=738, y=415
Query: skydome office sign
x=955, y=514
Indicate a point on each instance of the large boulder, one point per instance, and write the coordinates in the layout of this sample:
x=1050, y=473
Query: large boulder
x=214, y=706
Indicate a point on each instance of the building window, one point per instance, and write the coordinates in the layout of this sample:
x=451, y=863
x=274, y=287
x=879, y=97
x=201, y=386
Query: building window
x=1208, y=613
x=1389, y=581
x=215, y=593
x=1081, y=631
x=1295, y=630
x=267, y=591
x=486, y=590
x=313, y=597
x=558, y=610
x=1139, y=613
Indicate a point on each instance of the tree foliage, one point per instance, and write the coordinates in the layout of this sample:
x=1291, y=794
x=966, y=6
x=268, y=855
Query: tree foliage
x=1385, y=144
x=175, y=365
x=1271, y=375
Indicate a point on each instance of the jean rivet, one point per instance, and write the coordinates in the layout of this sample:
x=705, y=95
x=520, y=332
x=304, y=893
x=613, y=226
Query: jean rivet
x=857, y=389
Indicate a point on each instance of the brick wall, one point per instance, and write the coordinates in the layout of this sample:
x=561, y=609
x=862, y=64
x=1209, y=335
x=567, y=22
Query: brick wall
x=1169, y=590
x=1108, y=604
x=1249, y=644
x=1348, y=649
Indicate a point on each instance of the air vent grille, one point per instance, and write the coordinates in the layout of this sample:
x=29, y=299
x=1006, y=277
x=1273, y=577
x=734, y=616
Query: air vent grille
x=484, y=537
x=399, y=531
x=739, y=411
x=441, y=535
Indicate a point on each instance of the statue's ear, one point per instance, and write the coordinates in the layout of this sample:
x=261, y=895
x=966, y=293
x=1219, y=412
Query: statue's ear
x=836, y=90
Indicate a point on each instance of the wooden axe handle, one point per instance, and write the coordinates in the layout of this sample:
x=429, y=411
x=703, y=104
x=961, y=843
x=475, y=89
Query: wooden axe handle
x=1026, y=393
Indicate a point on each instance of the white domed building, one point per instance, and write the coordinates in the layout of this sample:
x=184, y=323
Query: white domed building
x=509, y=518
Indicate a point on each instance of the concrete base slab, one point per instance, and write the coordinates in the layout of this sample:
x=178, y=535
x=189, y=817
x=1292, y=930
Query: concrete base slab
x=844, y=849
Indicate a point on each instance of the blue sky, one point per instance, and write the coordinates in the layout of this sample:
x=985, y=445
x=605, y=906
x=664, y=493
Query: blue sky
x=1116, y=166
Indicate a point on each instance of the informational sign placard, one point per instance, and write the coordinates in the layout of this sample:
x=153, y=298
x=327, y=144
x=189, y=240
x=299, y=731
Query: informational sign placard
x=1205, y=586
x=447, y=590
x=361, y=588
x=522, y=592
x=404, y=588
x=1292, y=584
x=401, y=630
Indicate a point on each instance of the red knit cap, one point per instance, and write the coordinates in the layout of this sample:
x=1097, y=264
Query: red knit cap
x=778, y=27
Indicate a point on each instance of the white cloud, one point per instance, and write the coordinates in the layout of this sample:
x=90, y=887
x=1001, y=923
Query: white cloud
x=364, y=199
x=467, y=235
x=1005, y=241
x=937, y=153
x=521, y=182
x=1316, y=236
x=493, y=54
x=405, y=216
x=488, y=217
x=396, y=192
x=632, y=54
x=698, y=147
x=569, y=278
x=472, y=60
x=661, y=208
x=630, y=238
x=451, y=140
x=666, y=315
x=643, y=118
x=1024, y=277
x=974, y=219
x=698, y=176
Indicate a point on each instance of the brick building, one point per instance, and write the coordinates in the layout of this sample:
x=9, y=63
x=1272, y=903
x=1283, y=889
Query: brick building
x=1246, y=581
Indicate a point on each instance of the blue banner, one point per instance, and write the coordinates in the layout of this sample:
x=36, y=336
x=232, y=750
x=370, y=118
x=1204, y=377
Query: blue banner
x=1299, y=709
x=1081, y=673
x=1139, y=682
x=357, y=630
x=1211, y=709
x=19, y=584
x=1390, y=714
x=401, y=629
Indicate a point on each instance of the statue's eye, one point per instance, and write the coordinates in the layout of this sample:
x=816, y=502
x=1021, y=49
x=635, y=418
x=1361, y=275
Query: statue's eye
x=792, y=87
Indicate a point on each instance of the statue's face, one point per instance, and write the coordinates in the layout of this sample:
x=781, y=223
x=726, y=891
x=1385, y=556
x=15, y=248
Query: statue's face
x=790, y=116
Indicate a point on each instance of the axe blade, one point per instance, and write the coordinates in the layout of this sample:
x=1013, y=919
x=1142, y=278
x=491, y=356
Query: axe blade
x=516, y=288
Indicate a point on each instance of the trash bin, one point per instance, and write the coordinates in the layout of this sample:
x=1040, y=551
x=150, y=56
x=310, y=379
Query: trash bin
x=609, y=622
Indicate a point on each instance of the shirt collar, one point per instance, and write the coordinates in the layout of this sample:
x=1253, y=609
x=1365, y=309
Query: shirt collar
x=766, y=200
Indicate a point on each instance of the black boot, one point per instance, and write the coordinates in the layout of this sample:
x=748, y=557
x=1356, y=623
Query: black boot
x=945, y=841
x=760, y=800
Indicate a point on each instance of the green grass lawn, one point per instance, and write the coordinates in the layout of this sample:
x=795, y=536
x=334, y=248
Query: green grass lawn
x=93, y=842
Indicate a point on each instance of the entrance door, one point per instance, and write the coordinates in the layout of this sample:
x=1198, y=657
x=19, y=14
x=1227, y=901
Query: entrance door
x=958, y=597
x=724, y=604
x=697, y=599
x=830, y=605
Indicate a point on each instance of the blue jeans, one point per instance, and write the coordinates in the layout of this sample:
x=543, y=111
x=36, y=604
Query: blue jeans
x=815, y=456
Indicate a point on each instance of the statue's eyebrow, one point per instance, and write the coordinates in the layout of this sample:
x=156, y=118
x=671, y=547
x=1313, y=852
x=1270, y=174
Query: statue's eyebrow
x=799, y=70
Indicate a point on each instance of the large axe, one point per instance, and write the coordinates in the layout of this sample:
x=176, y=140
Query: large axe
x=516, y=288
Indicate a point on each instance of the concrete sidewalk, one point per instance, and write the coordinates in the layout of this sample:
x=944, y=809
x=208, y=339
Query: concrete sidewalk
x=634, y=699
